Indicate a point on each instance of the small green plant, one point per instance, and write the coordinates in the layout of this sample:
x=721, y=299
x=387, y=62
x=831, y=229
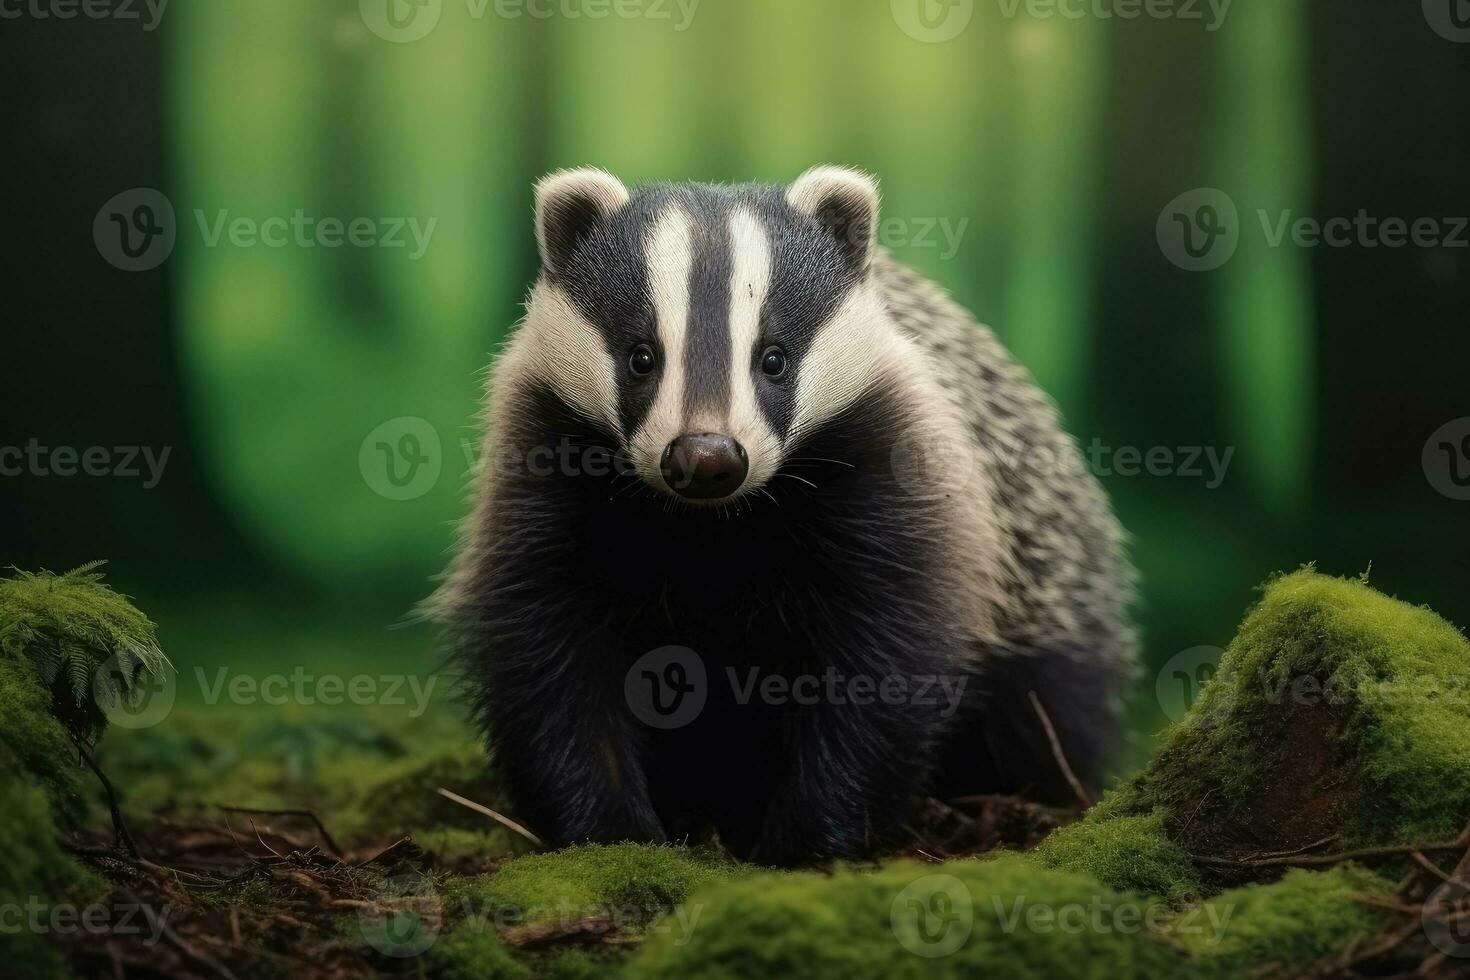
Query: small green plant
x=90, y=646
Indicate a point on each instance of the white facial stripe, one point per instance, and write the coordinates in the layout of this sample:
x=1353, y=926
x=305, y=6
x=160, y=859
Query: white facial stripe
x=750, y=283
x=668, y=257
x=568, y=351
x=858, y=345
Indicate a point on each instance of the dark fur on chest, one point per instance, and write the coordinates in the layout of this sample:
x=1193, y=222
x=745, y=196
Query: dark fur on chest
x=826, y=581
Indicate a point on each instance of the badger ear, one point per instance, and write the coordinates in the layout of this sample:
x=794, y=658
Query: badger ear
x=844, y=203
x=569, y=205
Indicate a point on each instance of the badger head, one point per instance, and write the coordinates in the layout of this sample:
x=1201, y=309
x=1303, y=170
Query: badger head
x=708, y=329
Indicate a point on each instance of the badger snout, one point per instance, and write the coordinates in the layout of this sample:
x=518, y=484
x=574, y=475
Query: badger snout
x=706, y=466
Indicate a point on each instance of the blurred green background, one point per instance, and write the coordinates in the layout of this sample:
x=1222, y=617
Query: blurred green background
x=316, y=401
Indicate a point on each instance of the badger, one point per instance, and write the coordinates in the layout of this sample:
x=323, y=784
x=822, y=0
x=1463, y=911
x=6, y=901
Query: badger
x=770, y=539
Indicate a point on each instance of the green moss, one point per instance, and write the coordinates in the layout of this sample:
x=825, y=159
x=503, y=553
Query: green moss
x=1128, y=853
x=35, y=869
x=1336, y=711
x=33, y=740
x=88, y=644
x=1002, y=917
x=476, y=953
x=403, y=797
x=1304, y=916
x=636, y=881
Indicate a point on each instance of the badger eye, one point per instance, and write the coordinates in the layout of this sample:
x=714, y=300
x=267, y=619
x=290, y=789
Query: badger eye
x=773, y=362
x=642, y=361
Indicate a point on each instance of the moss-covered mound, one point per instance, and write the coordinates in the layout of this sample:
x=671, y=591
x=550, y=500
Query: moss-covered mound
x=41, y=797
x=1287, y=923
x=1002, y=917
x=1339, y=716
x=636, y=882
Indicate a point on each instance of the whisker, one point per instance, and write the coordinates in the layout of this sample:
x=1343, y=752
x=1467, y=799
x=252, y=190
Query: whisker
x=802, y=479
x=821, y=459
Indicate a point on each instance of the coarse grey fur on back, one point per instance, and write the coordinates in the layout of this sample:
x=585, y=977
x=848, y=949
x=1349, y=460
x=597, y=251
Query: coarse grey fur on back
x=1067, y=582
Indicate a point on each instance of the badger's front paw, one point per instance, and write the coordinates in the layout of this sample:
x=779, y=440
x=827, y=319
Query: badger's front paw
x=614, y=824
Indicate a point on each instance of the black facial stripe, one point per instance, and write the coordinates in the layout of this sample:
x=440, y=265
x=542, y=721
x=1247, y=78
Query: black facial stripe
x=707, y=340
x=607, y=279
x=809, y=279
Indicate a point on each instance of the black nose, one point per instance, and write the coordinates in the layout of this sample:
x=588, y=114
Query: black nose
x=705, y=466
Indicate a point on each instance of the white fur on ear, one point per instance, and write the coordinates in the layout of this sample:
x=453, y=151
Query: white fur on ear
x=569, y=204
x=845, y=202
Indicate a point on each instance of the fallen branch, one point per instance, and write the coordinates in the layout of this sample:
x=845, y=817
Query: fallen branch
x=539, y=934
x=1056, y=750
x=1325, y=860
x=308, y=814
x=504, y=821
